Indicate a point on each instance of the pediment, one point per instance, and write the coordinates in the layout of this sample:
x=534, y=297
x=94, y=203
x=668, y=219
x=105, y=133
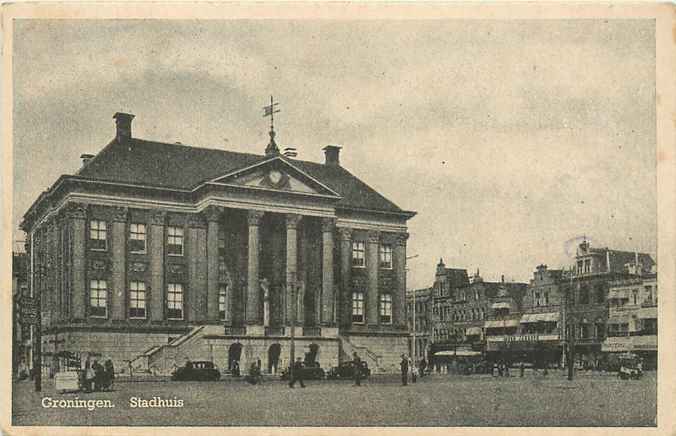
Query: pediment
x=278, y=175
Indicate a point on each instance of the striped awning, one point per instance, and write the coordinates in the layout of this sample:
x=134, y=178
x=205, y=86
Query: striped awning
x=500, y=305
x=459, y=353
x=540, y=317
x=494, y=324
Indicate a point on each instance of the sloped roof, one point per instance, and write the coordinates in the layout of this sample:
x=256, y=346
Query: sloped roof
x=457, y=277
x=177, y=166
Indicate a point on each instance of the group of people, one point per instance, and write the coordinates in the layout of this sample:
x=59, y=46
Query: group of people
x=410, y=368
x=97, y=377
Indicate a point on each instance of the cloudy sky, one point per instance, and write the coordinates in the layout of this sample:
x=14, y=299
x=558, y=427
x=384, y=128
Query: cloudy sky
x=509, y=138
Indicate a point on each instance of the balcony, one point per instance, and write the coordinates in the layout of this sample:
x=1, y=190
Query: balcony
x=274, y=331
x=312, y=331
x=235, y=331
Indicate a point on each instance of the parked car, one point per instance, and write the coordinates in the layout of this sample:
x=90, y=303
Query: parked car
x=310, y=372
x=197, y=371
x=631, y=367
x=346, y=370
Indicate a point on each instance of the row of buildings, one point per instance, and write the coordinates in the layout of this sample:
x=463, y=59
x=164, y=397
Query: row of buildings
x=605, y=304
x=154, y=253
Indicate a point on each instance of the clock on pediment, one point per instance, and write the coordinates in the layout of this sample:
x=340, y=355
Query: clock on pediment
x=276, y=179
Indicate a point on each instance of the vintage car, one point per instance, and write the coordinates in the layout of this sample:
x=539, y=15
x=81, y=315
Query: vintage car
x=631, y=367
x=346, y=370
x=310, y=372
x=197, y=371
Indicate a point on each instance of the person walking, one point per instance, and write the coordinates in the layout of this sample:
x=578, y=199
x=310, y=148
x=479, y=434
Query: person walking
x=356, y=369
x=423, y=367
x=414, y=372
x=297, y=373
x=404, y=370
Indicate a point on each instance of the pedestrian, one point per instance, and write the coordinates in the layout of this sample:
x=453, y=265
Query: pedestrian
x=423, y=367
x=87, y=375
x=109, y=374
x=521, y=369
x=98, y=375
x=404, y=370
x=507, y=365
x=414, y=372
x=297, y=373
x=356, y=369
x=235, y=368
x=500, y=369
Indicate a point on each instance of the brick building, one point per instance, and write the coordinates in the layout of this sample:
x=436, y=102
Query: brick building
x=420, y=302
x=153, y=253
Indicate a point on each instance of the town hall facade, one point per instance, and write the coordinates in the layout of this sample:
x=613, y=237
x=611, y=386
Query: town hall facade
x=153, y=254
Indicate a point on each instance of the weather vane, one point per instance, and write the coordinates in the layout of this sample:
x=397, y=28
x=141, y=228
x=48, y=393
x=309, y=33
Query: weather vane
x=270, y=111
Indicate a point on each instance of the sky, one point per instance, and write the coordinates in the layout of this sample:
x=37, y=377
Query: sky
x=511, y=140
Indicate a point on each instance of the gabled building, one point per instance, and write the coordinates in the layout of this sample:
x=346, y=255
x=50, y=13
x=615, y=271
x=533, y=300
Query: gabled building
x=153, y=253
x=419, y=315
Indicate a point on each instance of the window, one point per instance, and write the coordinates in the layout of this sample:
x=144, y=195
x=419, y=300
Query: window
x=587, y=265
x=98, y=294
x=385, y=308
x=579, y=266
x=476, y=294
x=537, y=298
x=97, y=235
x=649, y=294
x=137, y=238
x=584, y=295
x=358, y=252
x=357, y=307
x=386, y=256
x=175, y=241
x=546, y=298
x=222, y=290
x=175, y=301
x=600, y=294
x=137, y=300
x=634, y=295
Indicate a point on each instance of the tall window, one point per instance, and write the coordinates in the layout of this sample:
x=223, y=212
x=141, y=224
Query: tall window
x=649, y=294
x=579, y=266
x=584, y=295
x=175, y=241
x=358, y=253
x=98, y=294
x=634, y=295
x=137, y=238
x=137, y=300
x=97, y=235
x=386, y=256
x=357, y=307
x=587, y=265
x=175, y=301
x=385, y=308
x=222, y=290
x=546, y=298
x=537, y=298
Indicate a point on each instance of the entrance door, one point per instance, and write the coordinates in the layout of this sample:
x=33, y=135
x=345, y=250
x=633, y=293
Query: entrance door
x=234, y=354
x=274, y=352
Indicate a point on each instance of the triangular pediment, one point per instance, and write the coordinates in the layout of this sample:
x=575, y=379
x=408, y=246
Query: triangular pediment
x=275, y=174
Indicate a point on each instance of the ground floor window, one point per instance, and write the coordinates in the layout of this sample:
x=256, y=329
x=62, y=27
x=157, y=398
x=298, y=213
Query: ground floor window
x=357, y=307
x=175, y=301
x=386, y=308
x=98, y=295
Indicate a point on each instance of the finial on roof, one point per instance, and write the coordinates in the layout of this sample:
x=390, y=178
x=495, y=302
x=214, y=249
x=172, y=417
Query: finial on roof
x=270, y=111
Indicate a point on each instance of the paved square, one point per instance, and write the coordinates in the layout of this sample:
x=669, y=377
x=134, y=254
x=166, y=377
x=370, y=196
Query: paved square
x=437, y=400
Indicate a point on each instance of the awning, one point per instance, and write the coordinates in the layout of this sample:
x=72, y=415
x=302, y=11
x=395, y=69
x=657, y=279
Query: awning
x=459, y=353
x=617, y=318
x=540, y=317
x=473, y=331
x=618, y=294
x=500, y=305
x=494, y=324
x=647, y=313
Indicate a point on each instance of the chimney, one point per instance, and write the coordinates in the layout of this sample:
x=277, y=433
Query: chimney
x=86, y=158
x=332, y=154
x=123, y=126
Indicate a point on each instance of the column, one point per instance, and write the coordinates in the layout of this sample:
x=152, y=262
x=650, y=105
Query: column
x=77, y=214
x=345, y=297
x=328, y=226
x=213, y=215
x=399, y=293
x=372, y=266
x=294, y=303
x=197, y=269
x=156, y=251
x=253, y=301
x=119, y=251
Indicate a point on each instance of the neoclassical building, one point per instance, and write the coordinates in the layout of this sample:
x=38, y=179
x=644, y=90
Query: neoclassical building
x=154, y=253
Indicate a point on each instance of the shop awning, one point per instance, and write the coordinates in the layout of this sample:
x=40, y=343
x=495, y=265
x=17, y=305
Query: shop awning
x=473, y=331
x=540, y=317
x=500, y=305
x=494, y=324
x=458, y=353
x=647, y=313
x=618, y=294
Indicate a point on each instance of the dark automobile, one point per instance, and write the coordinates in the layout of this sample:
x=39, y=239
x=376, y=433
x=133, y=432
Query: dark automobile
x=310, y=372
x=197, y=371
x=346, y=370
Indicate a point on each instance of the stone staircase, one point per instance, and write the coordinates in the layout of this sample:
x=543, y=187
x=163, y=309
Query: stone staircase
x=348, y=348
x=162, y=360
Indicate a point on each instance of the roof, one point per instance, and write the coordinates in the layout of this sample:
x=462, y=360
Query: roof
x=457, y=277
x=177, y=166
x=619, y=258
